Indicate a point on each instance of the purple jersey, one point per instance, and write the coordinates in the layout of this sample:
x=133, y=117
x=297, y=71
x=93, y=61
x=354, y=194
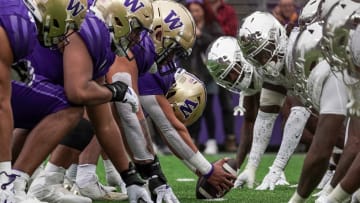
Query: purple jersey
x=31, y=104
x=19, y=26
x=144, y=53
x=155, y=84
x=96, y=37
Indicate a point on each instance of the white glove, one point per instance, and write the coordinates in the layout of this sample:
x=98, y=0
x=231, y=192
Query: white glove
x=165, y=193
x=356, y=197
x=248, y=177
x=137, y=193
x=114, y=179
x=6, y=196
x=282, y=181
x=322, y=195
x=132, y=99
x=270, y=180
x=326, y=178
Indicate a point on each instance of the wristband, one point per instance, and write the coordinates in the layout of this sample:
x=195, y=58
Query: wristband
x=210, y=172
x=200, y=163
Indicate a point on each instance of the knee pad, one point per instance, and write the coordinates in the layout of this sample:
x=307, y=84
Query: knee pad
x=80, y=136
x=271, y=98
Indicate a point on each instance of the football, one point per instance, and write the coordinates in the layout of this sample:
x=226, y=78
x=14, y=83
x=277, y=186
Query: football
x=204, y=190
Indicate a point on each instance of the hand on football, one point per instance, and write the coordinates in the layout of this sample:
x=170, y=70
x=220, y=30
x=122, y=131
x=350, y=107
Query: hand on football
x=221, y=179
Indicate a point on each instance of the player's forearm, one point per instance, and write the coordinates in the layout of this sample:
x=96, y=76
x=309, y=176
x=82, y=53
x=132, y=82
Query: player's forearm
x=90, y=93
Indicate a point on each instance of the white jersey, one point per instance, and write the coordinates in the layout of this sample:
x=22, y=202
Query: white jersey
x=327, y=90
x=289, y=61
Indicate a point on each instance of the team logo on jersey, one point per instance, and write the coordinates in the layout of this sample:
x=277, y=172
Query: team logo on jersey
x=173, y=20
x=75, y=7
x=134, y=5
x=188, y=107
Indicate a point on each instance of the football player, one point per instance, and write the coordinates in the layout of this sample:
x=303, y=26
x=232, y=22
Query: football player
x=13, y=48
x=170, y=42
x=331, y=104
x=18, y=35
x=186, y=97
x=265, y=48
x=232, y=71
x=83, y=86
x=344, y=59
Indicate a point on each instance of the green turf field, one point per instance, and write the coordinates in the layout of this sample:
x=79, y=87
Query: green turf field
x=185, y=191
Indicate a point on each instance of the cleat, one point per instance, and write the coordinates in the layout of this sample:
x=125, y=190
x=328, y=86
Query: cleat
x=48, y=186
x=96, y=191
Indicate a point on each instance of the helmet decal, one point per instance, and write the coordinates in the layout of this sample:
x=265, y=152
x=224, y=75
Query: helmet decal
x=173, y=20
x=188, y=107
x=133, y=5
x=75, y=7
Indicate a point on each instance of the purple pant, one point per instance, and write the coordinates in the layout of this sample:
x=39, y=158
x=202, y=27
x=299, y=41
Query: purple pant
x=31, y=104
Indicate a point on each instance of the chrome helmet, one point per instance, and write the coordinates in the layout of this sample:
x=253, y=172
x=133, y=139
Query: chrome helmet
x=229, y=68
x=345, y=16
x=306, y=55
x=56, y=17
x=126, y=20
x=187, y=96
x=263, y=41
x=354, y=56
x=309, y=13
x=173, y=32
x=325, y=7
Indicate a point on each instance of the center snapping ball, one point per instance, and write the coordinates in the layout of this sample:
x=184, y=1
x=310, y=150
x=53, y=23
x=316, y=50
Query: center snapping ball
x=204, y=190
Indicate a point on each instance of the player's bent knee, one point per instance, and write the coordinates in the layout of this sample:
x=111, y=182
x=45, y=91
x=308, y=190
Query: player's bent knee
x=80, y=136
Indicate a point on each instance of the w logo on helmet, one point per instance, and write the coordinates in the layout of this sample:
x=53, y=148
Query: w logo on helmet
x=188, y=107
x=75, y=7
x=134, y=5
x=173, y=20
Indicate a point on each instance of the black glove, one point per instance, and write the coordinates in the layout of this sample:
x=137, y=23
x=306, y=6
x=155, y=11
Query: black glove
x=153, y=172
x=118, y=90
x=131, y=176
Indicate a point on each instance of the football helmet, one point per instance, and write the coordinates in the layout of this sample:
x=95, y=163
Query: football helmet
x=187, y=96
x=126, y=20
x=345, y=16
x=325, y=7
x=309, y=13
x=307, y=55
x=173, y=33
x=229, y=68
x=56, y=17
x=354, y=56
x=263, y=41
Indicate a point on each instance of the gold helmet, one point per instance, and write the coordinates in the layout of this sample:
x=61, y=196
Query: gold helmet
x=187, y=96
x=56, y=17
x=125, y=19
x=173, y=32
